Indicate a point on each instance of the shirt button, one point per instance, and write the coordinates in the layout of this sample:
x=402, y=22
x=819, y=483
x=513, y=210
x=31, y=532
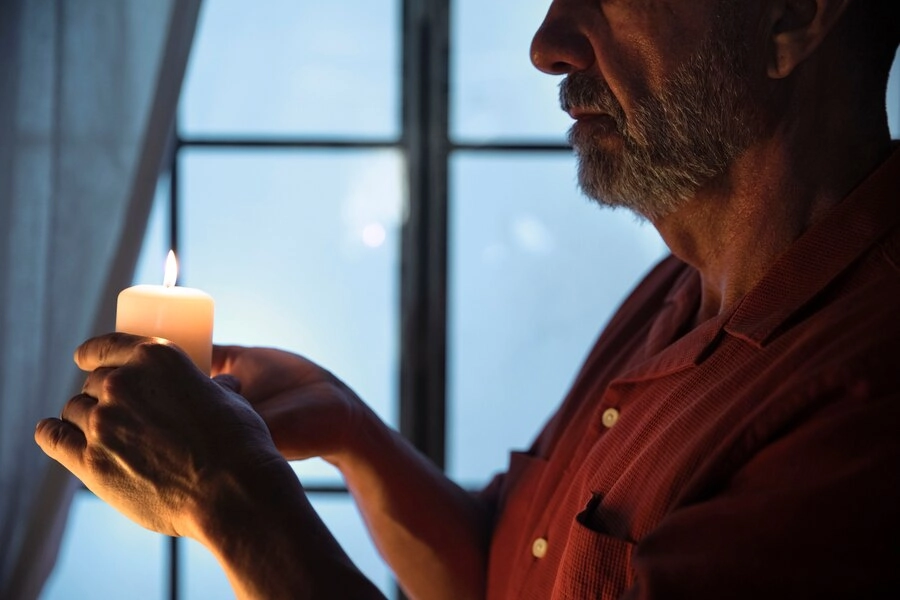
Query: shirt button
x=539, y=548
x=610, y=417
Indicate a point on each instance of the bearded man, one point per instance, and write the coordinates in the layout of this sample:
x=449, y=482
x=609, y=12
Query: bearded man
x=733, y=433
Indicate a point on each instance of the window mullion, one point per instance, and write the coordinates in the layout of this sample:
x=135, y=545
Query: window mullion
x=423, y=278
x=174, y=237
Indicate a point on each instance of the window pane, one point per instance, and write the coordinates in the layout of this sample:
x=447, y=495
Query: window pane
x=104, y=556
x=300, y=251
x=495, y=91
x=536, y=270
x=203, y=578
x=294, y=67
x=152, y=259
x=893, y=99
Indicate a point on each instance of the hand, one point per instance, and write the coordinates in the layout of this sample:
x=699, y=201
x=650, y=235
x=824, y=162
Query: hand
x=152, y=435
x=309, y=411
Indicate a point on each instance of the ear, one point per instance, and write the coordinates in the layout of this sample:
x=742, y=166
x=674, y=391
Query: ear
x=797, y=28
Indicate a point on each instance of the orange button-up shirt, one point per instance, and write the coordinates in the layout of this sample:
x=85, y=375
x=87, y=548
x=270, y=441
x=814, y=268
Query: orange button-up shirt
x=754, y=456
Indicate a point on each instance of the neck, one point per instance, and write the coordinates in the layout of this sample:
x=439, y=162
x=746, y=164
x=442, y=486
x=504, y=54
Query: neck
x=737, y=226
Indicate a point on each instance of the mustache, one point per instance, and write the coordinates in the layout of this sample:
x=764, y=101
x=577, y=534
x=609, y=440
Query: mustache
x=593, y=94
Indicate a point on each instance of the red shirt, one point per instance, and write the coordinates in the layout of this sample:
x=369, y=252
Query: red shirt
x=754, y=456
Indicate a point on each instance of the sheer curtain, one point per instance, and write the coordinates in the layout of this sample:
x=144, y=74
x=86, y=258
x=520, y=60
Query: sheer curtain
x=88, y=92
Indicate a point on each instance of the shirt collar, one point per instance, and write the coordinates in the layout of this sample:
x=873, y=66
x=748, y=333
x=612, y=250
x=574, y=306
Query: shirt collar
x=824, y=251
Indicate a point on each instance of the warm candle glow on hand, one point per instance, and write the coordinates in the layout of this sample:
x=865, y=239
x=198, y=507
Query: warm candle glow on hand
x=184, y=316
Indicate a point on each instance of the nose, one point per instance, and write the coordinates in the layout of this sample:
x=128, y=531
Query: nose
x=560, y=45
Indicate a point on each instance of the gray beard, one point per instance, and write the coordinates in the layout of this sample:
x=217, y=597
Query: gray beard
x=677, y=141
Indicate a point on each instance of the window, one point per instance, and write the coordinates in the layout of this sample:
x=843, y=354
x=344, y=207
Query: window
x=337, y=169
x=893, y=99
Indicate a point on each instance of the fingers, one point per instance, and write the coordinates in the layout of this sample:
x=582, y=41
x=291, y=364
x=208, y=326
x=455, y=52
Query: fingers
x=61, y=441
x=94, y=383
x=111, y=350
x=107, y=383
x=77, y=411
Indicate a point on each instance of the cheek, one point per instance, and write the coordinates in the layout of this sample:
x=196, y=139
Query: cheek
x=637, y=54
x=629, y=70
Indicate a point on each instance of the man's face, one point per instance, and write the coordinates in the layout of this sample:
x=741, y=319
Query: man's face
x=649, y=145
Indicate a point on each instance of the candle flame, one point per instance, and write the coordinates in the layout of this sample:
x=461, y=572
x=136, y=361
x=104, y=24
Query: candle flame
x=171, y=270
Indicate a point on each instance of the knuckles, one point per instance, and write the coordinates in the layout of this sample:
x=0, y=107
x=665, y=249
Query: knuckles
x=119, y=348
x=154, y=350
x=162, y=353
x=117, y=384
x=99, y=426
x=110, y=428
x=117, y=379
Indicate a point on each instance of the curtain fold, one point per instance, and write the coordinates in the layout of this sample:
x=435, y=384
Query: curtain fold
x=88, y=94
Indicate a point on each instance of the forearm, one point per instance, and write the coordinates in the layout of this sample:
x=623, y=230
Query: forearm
x=271, y=543
x=434, y=534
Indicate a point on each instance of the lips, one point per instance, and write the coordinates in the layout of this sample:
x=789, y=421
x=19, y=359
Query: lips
x=586, y=97
x=584, y=113
x=594, y=123
x=592, y=115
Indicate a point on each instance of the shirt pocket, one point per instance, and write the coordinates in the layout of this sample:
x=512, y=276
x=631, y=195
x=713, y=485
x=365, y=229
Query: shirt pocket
x=594, y=564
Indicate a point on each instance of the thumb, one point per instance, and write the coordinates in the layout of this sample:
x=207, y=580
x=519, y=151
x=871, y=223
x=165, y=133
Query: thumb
x=229, y=382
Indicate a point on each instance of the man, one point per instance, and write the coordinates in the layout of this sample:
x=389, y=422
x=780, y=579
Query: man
x=735, y=433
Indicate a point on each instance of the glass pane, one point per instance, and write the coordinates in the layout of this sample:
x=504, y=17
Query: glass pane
x=893, y=99
x=536, y=270
x=152, y=259
x=104, y=556
x=496, y=93
x=294, y=67
x=203, y=578
x=300, y=251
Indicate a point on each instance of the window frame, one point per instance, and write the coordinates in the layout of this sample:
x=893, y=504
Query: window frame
x=425, y=143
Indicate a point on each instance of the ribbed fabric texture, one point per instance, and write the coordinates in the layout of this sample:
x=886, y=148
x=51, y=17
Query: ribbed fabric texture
x=757, y=456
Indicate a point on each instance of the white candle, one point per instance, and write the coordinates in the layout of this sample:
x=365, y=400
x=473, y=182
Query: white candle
x=181, y=315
